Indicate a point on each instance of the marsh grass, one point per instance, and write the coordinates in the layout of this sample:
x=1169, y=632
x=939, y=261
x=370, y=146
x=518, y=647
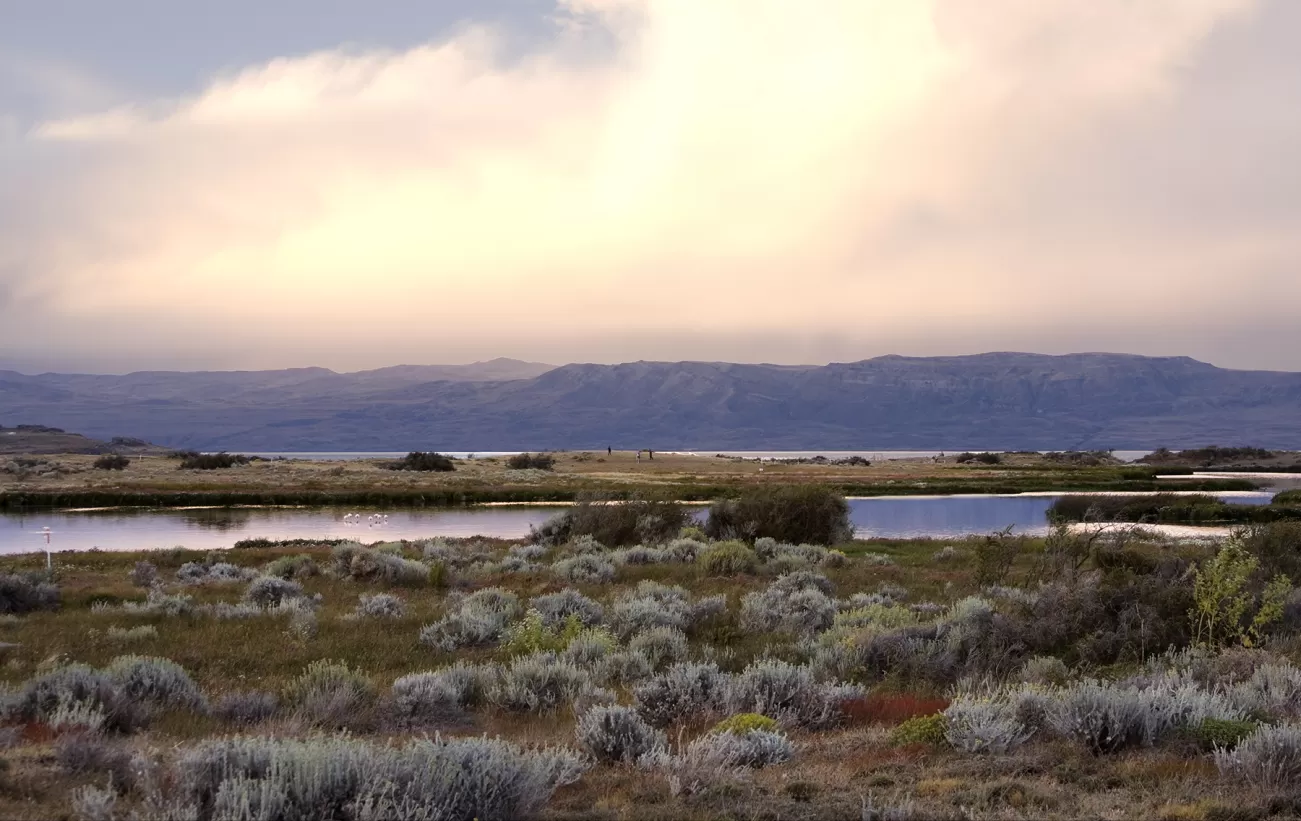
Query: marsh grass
x=832, y=772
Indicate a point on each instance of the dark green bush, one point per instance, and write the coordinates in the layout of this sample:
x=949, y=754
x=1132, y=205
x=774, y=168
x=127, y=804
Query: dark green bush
x=112, y=461
x=26, y=593
x=1288, y=497
x=191, y=460
x=614, y=523
x=420, y=460
x=1156, y=508
x=792, y=514
x=729, y=559
x=534, y=461
x=982, y=458
x=920, y=730
x=1214, y=733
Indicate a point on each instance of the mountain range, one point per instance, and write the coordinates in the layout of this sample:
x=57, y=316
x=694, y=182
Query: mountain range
x=1004, y=401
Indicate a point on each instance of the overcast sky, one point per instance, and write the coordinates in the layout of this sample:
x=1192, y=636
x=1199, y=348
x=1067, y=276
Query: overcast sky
x=292, y=182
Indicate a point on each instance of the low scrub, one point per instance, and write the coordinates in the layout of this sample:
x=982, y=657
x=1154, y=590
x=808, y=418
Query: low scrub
x=351, y=560
x=190, y=460
x=330, y=693
x=531, y=461
x=793, y=514
x=1269, y=758
x=341, y=777
x=112, y=461
x=422, y=461
x=614, y=522
x=26, y=594
x=683, y=692
x=614, y=734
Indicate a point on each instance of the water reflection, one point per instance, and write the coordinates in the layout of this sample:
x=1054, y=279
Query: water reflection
x=893, y=517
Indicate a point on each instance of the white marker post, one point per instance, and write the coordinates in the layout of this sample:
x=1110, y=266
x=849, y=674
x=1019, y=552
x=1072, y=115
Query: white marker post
x=49, y=561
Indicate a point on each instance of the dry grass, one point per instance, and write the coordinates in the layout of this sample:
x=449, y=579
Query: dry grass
x=831, y=776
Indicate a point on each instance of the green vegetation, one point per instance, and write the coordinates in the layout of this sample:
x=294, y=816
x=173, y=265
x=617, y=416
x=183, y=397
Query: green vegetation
x=1167, y=508
x=192, y=460
x=531, y=461
x=791, y=513
x=419, y=460
x=112, y=461
x=615, y=522
x=1070, y=675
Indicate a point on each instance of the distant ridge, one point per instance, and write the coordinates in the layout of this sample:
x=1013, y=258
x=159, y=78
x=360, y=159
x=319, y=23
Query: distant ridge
x=1003, y=400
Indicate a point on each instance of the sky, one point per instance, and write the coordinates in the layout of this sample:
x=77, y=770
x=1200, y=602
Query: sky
x=283, y=183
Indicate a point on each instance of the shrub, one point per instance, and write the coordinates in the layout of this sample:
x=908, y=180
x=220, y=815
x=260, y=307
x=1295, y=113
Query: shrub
x=653, y=604
x=77, y=687
x=90, y=803
x=684, y=691
x=211, y=461
x=112, y=461
x=613, y=733
x=531, y=461
x=920, y=730
x=158, y=681
x=1048, y=670
x=442, y=694
x=756, y=748
x=743, y=723
x=787, y=693
x=1271, y=690
x=272, y=591
x=984, y=725
x=481, y=619
x=341, y=777
x=892, y=708
x=143, y=574
x=640, y=556
x=420, y=460
x=796, y=603
x=248, y=707
x=1218, y=733
x=351, y=560
x=617, y=523
x=539, y=683
x=79, y=754
x=26, y=594
x=622, y=666
x=216, y=573
x=590, y=646
x=1223, y=600
x=532, y=635
x=793, y=514
x=329, y=692
x=586, y=569
x=379, y=606
x=555, y=608
x=1269, y=757
x=161, y=604
x=139, y=633
x=729, y=559
x=660, y=646
x=1108, y=717
x=301, y=566
x=980, y=458
x=685, y=550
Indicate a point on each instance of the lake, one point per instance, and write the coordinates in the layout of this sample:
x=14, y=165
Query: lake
x=872, y=455
x=894, y=517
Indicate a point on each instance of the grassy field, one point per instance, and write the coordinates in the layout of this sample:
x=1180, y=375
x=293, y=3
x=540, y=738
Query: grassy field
x=72, y=481
x=908, y=680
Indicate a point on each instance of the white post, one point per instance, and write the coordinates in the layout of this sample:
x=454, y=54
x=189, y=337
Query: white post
x=49, y=561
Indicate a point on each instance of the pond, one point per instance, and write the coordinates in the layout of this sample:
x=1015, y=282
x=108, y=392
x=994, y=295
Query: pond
x=894, y=517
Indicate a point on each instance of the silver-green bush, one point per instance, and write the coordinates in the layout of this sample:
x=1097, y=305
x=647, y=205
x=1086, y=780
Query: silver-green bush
x=614, y=733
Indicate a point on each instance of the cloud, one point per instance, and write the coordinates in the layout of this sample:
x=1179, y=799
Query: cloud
x=657, y=170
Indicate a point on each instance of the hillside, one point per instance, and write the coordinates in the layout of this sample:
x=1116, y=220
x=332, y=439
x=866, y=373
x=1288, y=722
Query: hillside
x=24, y=440
x=987, y=401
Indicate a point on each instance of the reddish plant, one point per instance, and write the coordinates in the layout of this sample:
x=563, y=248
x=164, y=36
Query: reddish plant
x=891, y=708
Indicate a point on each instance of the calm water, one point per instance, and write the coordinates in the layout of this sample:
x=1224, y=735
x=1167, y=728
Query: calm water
x=885, y=517
x=874, y=455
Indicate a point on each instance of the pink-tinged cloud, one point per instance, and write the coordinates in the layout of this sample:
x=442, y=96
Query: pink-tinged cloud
x=750, y=179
